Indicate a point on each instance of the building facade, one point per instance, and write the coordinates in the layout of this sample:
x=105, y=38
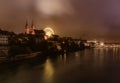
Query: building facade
x=4, y=39
x=29, y=30
x=5, y=36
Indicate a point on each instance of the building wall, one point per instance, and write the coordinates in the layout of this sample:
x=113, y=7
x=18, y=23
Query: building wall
x=4, y=40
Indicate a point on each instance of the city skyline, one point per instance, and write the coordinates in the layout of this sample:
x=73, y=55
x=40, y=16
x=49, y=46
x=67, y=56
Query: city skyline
x=59, y=41
x=98, y=19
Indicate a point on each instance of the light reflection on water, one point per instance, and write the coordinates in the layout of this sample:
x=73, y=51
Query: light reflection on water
x=101, y=64
x=48, y=72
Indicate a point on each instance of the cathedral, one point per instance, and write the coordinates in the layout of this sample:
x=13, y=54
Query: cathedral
x=28, y=29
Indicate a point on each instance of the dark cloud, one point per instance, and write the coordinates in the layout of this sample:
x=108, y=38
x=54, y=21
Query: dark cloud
x=95, y=19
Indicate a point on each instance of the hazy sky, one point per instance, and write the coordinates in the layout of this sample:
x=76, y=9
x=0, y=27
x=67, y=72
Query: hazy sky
x=96, y=19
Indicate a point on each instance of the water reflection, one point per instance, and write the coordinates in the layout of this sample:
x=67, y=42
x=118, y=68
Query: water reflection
x=97, y=65
x=48, y=71
x=77, y=57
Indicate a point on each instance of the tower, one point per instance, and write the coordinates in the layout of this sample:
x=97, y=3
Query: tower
x=27, y=30
x=32, y=28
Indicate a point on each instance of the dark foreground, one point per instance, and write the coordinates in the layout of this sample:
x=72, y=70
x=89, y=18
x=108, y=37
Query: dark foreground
x=88, y=66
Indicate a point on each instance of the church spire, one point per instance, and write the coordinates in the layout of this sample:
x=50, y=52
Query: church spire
x=27, y=30
x=32, y=28
x=26, y=23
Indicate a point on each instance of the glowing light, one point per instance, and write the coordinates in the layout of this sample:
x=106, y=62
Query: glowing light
x=49, y=31
x=102, y=44
x=45, y=37
x=48, y=70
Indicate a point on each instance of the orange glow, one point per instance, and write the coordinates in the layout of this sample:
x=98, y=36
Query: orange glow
x=102, y=44
x=49, y=31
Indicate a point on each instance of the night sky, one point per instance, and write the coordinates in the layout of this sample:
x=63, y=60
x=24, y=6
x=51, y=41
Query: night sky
x=91, y=19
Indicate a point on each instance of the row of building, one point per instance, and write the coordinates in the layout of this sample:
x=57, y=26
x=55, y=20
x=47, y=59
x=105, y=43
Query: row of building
x=5, y=36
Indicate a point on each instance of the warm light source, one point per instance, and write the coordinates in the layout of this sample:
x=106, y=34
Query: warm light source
x=49, y=31
x=102, y=43
x=48, y=70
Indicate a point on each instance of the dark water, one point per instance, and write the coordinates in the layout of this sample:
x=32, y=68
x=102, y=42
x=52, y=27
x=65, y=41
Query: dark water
x=88, y=66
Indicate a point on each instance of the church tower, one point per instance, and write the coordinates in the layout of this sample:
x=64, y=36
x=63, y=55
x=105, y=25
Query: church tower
x=27, y=29
x=32, y=28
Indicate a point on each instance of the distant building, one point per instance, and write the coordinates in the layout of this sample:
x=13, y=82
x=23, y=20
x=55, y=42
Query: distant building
x=92, y=43
x=32, y=29
x=29, y=30
x=4, y=37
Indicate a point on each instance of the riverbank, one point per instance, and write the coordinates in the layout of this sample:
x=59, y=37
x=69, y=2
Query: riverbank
x=24, y=52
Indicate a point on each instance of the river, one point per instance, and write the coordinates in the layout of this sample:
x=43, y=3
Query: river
x=99, y=65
